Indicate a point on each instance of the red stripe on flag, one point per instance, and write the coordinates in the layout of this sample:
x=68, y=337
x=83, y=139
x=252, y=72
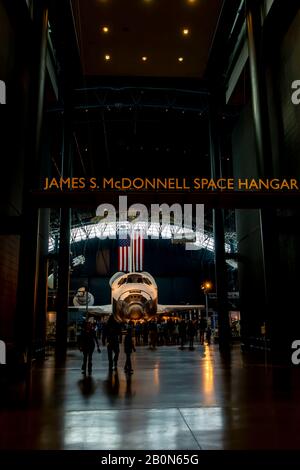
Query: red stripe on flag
x=138, y=251
x=123, y=258
x=142, y=254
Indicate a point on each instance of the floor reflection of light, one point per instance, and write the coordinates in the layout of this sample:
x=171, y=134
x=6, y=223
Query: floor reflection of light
x=156, y=374
x=48, y=380
x=208, y=378
x=86, y=428
x=204, y=419
x=118, y=429
x=163, y=422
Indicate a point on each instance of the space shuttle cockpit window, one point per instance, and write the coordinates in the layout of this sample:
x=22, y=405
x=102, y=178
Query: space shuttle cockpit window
x=135, y=279
x=146, y=281
x=122, y=281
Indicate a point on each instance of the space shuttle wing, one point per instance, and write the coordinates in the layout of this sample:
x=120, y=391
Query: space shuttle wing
x=100, y=309
x=178, y=308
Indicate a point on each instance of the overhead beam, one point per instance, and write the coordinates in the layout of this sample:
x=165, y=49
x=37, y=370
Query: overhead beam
x=213, y=199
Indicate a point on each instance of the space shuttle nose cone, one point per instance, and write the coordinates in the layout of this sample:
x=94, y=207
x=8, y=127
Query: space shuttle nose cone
x=135, y=312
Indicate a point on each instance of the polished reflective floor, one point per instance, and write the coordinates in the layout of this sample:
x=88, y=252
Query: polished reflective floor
x=174, y=400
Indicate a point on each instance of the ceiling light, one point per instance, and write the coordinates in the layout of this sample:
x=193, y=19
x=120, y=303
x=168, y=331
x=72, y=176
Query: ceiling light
x=180, y=59
x=107, y=57
x=192, y=1
x=105, y=29
x=185, y=31
x=144, y=58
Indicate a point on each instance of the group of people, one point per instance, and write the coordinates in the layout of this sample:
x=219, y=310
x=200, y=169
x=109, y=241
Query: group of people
x=111, y=334
x=172, y=332
x=153, y=333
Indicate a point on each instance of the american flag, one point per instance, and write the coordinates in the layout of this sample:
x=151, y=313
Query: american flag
x=131, y=252
x=137, y=251
x=124, y=254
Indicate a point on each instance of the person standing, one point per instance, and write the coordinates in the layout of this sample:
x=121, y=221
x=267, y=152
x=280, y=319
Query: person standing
x=128, y=348
x=208, y=335
x=202, y=328
x=152, y=334
x=182, y=333
x=191, y=331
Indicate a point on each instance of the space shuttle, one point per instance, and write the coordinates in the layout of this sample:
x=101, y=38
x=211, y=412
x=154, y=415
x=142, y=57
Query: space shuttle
x=134, y=296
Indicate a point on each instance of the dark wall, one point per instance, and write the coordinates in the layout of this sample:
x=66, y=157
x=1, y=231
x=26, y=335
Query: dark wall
x=17, y=54
x=12, y=136
x=286, y=69
x=282, y=68
x=285, y=136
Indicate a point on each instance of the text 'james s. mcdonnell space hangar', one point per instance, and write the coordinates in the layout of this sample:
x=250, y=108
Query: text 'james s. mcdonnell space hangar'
x=174, y=324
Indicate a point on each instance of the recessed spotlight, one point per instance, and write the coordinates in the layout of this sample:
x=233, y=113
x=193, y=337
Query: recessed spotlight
x=185, y=31
x=180, y=59
x=144, y=58
x=191, y=1
x=107, y=57
x=105, y=29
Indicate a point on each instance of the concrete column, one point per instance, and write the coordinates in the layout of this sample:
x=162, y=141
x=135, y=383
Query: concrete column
x=262, y=143
x=219, y=238
x=29, y=246
x=62, y=301
x=258, y=89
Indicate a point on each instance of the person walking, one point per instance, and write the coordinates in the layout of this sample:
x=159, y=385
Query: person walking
x=87, y=342
x=110, y=335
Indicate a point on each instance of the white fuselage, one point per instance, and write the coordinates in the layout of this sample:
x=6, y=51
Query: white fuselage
x=134, y=296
